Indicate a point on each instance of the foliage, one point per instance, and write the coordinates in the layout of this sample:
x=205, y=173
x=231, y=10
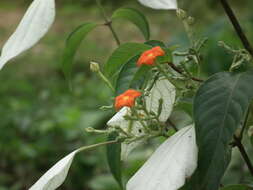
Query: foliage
x=42, y=120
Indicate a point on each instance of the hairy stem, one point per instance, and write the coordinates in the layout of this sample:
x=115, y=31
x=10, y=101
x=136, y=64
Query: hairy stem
x=108, y=22
x=178, y=70
x=237, y=26
x=97, y=145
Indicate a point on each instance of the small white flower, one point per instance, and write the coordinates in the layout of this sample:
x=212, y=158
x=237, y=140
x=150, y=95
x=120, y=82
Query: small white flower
x=169, y=166
x=160, y=4
x=34, y=25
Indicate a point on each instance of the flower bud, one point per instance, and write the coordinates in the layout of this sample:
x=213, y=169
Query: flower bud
x=190, y=20
x=94, y=67
x=181, y=14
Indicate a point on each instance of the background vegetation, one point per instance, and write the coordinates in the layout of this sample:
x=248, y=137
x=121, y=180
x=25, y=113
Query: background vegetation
x=41, y=120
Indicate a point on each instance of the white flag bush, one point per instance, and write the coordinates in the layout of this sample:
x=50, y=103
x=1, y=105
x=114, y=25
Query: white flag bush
x=170, y=165
x=162, y=89
x=34, y=25
x=160, y=4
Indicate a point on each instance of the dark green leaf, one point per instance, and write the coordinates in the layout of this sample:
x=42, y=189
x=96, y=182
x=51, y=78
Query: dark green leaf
x=130, y=76
x=134, y=16
x=73, y=42
x=113, y=158
x=237, y=187
x=154, y=43
x=121, y=55
x=219, y=107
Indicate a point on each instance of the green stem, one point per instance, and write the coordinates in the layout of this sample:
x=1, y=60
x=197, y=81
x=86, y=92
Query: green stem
x=108, y=22
x=165, y=74
x=244, y=154
x=244, y=124
x=109, y=84
x=134, y=112
x=96, y=145
x=237, y=26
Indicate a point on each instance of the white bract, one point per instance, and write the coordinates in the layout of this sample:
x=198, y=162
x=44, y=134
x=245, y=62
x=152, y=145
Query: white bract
x=54, y=177
x=162, y=89
x=36, y=22
x=169, y=166
x=135, y=128
x=160, y=4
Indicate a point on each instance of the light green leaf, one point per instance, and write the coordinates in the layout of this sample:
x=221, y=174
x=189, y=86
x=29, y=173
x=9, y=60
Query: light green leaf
x=73, y=42
x=121, y=55
x=134, y=16
x=236, y=187
x=219, y=107
x=113, y=158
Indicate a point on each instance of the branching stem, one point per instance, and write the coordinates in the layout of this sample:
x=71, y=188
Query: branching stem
x=244, y=154
x=108, y=22
x=237, y=26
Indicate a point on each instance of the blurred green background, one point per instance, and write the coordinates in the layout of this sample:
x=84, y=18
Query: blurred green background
x=41, y=120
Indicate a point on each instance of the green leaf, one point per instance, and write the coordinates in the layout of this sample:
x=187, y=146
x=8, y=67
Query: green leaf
x=130, y=76
x=134, y=16
x=113, y=158
x=219, y=107
x=121, y=55
x=154, y=43
x=236, y=187
x=73, y=42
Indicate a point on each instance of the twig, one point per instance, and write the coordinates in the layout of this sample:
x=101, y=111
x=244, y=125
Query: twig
x=237, y=26
x=175, y=68
x=172, y=124
x=108, y=22
x=244, y=154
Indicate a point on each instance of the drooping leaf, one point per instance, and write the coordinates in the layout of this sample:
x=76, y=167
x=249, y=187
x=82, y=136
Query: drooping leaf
x=121, y=55
x=113, y=158
x=134, y=16
x=56, y=175
x=219, y=107
x=237, y=187
x=130, y=76
x=72, y=44
x=170, y=165
x=160, y=4
x=34, y=25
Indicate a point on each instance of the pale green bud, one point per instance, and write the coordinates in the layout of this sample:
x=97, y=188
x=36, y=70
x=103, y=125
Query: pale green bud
x=94, y=67
x=181, y=14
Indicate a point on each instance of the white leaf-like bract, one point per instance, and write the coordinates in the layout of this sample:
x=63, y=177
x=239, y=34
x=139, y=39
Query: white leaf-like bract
x=164, y=90
x=34, y=25
x=56, y=175
x=160, y=4
x=169, y=166
x=135, y=128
